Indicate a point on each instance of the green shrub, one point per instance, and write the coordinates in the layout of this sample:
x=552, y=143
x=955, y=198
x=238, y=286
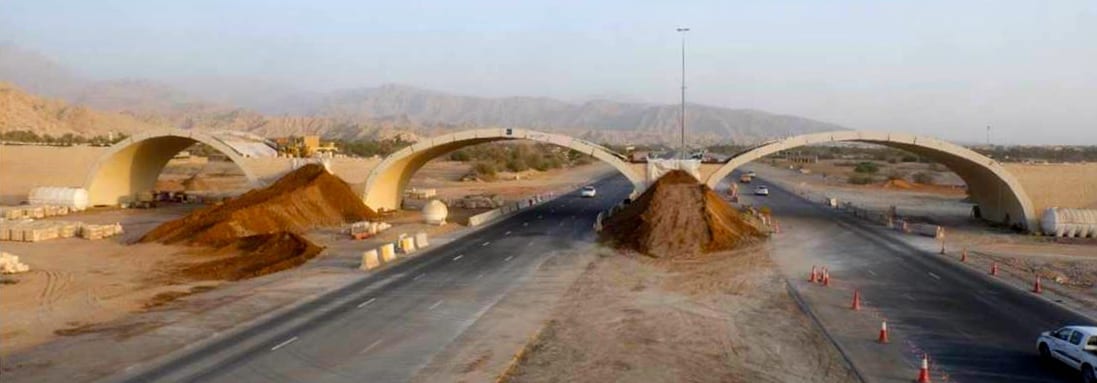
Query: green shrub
x=925, y=178
x=867, y=167
x=860, y=179
x=484, y=169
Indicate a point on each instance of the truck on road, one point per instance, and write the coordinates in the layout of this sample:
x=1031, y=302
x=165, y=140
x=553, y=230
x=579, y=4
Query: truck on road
x=1076, y=346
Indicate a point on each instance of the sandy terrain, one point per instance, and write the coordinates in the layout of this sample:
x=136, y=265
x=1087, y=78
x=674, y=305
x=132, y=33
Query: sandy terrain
x=51, y=166
x=725, y=317
x=75, y=283
x=445, y=176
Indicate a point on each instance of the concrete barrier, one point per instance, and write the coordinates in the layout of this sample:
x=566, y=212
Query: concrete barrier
x=388, y=252
x=421, y=240
x=370, y=260
x=407, y=245
x=932, y=231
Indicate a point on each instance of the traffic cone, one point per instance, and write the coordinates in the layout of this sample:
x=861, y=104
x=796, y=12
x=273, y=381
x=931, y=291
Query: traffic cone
x=963, y=255
x=856, y=300
x=1036, y=288
x=923, y=373
x=826, y=277
x=883, y=332
x=814, y=274
x=994, y=268
x=942, y=247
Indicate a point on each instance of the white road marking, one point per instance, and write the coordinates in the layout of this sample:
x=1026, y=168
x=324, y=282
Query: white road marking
x=508, y=259
x=458, y=257
x=485, y=244
x=434, y=305
x=418, y=276
x=478, y=276
x=363, y=304
x=283, y=344
x=525, y=223
x=507, y=233
x=934, y=276
x=539, y=216
x=371, y=346
x=871, y=272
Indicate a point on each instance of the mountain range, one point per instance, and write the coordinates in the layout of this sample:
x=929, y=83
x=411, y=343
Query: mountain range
x=386, y=111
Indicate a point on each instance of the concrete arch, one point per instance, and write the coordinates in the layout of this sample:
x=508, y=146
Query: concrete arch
x=133, y=165
x=386, y=182
x=997, y=192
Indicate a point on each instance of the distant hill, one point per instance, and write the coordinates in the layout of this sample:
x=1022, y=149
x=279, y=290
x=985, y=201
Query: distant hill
x=273, y=109
x=22, y=111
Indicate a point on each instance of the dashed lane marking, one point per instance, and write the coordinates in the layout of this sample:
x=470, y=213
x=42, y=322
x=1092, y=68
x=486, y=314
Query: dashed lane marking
x=283, y=344
x=458, y=257
x=507, y=233
x=485, y=244
x=508, y=258
x=934, y=276
x=418, y=276
x=478, y=276
x=434, y=305
x=370, y=347
x=871, y=272
x=364, y=304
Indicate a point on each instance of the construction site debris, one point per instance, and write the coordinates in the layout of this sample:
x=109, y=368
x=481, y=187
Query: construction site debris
x=306, y=198
x=679, y=216
x=9, y=264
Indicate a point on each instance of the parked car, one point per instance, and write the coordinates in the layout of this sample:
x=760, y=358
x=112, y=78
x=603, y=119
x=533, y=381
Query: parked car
x=588, y=192
x=761, y=190
x=1076, y=346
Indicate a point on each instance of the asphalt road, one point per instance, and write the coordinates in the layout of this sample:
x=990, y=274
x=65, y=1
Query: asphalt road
x=390, y=325
x=975, y=329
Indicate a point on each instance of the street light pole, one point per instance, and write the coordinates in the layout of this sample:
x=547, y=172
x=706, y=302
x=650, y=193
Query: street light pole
x=682, y=116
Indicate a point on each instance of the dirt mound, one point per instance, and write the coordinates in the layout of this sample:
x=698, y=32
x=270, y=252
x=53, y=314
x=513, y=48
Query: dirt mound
x=301, y=200
x=679, y=216
x=254, y=256
x=898, y=184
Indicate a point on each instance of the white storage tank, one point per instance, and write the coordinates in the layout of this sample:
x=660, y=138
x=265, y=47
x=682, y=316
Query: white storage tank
x=74, y=198
x=1064, y=222
x=435, y=212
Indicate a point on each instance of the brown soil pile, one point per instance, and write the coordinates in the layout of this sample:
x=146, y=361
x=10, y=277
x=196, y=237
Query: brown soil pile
x=679, y=216
x=306, y=198
x=254, y=256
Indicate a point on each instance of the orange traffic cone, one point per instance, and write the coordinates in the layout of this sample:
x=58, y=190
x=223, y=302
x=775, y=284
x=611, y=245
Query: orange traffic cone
x=856, y=300
x=883, y=332
x=814, y=274
x=994, y=268
x=923, y=373
x=826, y=277
x=963, y=255
x=1036, y=288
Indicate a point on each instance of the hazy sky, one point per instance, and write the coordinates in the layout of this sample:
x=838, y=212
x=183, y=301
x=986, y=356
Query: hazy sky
x=945, y=68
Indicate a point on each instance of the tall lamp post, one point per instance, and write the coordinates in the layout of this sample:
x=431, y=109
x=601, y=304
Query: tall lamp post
x=682, y=116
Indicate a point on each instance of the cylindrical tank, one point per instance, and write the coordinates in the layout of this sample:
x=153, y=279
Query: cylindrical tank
x=435, y=212
x=1064, y=222
x=74, y=198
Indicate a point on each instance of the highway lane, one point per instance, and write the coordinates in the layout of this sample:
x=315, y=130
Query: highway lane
x=390, y=325
x=975, y=330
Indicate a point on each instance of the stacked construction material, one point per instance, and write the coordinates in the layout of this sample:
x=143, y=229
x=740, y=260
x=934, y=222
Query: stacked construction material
x=89, y=231
x=35, y=231
x=33, y=211
x=366, y=229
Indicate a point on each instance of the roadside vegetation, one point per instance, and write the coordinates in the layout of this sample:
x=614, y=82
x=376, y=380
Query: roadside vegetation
x=370, y=148
x=490, y=159
x=68, y=139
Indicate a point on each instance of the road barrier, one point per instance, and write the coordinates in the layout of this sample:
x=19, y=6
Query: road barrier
x=407, y=245
x=1036, y=288
x=814, y=274
x=388, y=252
x=994, y=268
x=963, y=255
x=370, y=260
x=856, y=300
x=826, y=277
x=507, y=209
x=421, y=240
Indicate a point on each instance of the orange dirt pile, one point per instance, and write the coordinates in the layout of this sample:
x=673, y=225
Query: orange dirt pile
x=254, y=256
x=306, y=198
x=678, y=216
x=898, y=184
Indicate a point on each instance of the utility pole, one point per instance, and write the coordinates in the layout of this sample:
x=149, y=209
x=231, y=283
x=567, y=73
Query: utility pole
x=682, y=116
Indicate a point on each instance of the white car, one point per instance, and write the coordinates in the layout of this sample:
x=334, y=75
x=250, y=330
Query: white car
x=1074, y=345
x=588, y=192
x=761, y=190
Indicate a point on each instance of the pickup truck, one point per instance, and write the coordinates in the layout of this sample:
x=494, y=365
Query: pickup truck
x=1076, y=346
